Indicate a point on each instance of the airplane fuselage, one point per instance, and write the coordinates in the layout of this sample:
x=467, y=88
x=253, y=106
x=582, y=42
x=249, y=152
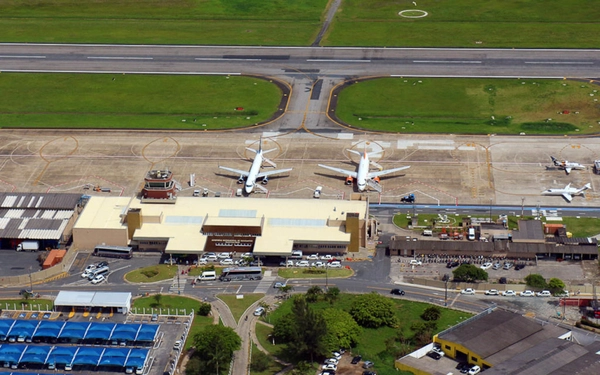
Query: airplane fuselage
x=363, y=172
x=254, y=171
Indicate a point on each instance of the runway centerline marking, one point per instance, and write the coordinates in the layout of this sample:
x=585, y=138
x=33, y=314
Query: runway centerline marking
x=119, y=58
x=561, y=62
x=21, y=57
x=338, y=60
x=446, y=62
x=223, y=59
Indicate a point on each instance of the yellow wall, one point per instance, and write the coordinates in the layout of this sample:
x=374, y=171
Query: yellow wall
x=405, y=367
x=87, y=239
x=473, y=358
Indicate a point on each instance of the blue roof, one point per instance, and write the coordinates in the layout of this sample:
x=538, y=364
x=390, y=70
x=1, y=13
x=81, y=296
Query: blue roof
x=137, y=357
x=88, y=356
x=147, y=332
x=23, y=328
x=11, y=353
x=126, y=332
x=63, y=354
x=74, y=330
x=48, y=329
x=36, y=354
x=100, y=331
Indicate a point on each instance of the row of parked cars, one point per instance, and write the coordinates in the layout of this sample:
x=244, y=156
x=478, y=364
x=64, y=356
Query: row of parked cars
x=306, y=263
x=330, y=365
x=509, y=293
x=506, y=266
x=436, y=353
x=96, y=273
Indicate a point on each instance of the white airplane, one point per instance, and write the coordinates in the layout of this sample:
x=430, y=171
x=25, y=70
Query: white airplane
x=567, y=165
x=362, y=175
x=568, y=192
x=254, y=173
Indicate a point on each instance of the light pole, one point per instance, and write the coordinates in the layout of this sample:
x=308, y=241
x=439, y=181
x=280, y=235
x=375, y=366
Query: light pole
x=522, y=206
x=326, y=277
x=445, y=279
x=178, y=282
x=490, y=210
x=30, y=281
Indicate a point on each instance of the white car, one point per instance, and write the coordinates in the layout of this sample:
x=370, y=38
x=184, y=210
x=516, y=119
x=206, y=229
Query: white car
x=289, y=263
x=211, y=258
x=509, y=293
x=332, y=361
x=177, y=345
x=247, y=255
x=485, y=266
x=206, y=255
x=468, y=291
x=98, y=279
x=336, y=355
x=226, y=262
x=415, y=262
x=544, y=293
x=317, y=264
x=564, y=293
x=329, y=366
x=223, y=255
x=527, y=293
x=85, y=274
x=335, y=264
x=438, y=351
x=474, y=370
x=492, y=292
x=201, y=262
x=90, y=268
x=302, y=263
x=280, y=284
x=312, y=257
x=259, y=311
x=326, y=257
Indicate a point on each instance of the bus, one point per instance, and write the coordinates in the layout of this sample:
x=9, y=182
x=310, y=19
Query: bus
x=241, y=273
x=125, y=252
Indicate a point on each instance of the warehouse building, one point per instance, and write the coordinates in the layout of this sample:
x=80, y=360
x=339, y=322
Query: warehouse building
x=191, y=225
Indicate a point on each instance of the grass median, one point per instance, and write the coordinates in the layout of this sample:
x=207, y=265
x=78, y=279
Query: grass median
x=466, y=23
x=239, y=305
x=231, y=22
x=471, y=106
x=135, y=101
x=151, y=274
x=313, y=273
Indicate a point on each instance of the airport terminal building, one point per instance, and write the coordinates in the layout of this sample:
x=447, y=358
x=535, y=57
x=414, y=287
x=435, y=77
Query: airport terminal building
x=191, y=225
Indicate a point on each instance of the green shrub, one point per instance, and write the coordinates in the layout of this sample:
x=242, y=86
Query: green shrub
x=204, y=308
x=150, y=272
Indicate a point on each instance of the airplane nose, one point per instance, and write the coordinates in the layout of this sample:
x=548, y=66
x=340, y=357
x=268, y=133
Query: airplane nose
x=248, y=189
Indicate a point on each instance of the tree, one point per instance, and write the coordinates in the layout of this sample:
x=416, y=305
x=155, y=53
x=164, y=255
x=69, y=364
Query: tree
x=373, y=310
x=469, y=273
x=204, y=308
x=158, y=299
x=332, y=294
x=284, y=330
x=215, y=345
x=302, y=368
x=535, y=280
x=313, y=293
x=423, y=332
x=556, y=285
x=260, y=361
x=431, y=313
x=286, y=289
x=342, y=329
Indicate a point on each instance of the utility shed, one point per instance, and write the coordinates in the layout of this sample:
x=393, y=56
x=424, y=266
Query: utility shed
x=72, y=299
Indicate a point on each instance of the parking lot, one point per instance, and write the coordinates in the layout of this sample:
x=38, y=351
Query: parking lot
x=15, y=263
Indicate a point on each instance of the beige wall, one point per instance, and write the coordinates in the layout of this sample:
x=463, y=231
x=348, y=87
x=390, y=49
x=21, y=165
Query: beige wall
x=87, y=239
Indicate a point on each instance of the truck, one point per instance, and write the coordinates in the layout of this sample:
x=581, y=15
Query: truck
x=317, y=193
x=28, y=246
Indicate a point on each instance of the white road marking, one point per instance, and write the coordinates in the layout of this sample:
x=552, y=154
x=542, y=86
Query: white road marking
x=117, y=72
x=119, y=58
x=223, y=59
x=561, y=62
x=447, y=62
x=335, y=60
x=21, y=57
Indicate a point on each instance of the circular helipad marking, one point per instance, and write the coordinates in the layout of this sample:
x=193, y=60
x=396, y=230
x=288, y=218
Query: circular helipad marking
x=413, y=13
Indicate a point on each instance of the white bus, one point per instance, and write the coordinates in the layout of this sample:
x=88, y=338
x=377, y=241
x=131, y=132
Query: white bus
x=125, y=252
x=241, y=273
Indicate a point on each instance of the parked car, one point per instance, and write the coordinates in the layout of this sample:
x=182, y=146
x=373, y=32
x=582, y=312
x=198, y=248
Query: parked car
x=211, y=258
x=527, y=293
x=415, y=262
x=544, y=293
x=98, y=279
x=507, y=265
x=398, y=292
x=329, y=366
x=368, y=364
x=474, y=370
x=519, y=267
x=326, y=257
x=335, y=264
x=259, y=311
x=509, y=293
x=564, y=293
x=496, y=266
x=280, y=284
x=468, y=291
x=317, y=264
x=223, y=255
x=289, y=263
x=438, y=350
x=331, y=360
x=226, y=262
x=485, y=266
x=434, y=355
x=102, y=264
x=206, y=255
x=89, y=268
x=312, y=257
x=492, y=292
x=336, y=355
x=177, y=345
x=356, y=359
x=302, y=263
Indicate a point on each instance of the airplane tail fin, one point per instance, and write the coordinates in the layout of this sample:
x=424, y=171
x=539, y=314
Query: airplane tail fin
x=585, y=187
x=355, y=152
x=555, y=160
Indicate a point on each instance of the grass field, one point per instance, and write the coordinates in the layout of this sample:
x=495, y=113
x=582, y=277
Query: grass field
x=372, y=341
x=471, y=106
x=227, y=22
x=238, y=306
x=33, y=304
x=304, y=273
x=467, y=23
x=134, y=101
x=151, y=274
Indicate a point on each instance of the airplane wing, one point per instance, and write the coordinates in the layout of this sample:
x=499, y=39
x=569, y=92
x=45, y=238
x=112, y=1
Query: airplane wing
x=269, y=173
x=387, y=171
x=238, y=171
x=340, y=170
x=567, y=196
x=568, y=170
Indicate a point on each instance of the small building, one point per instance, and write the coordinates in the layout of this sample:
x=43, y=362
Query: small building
x=81, y=300
x=159, y=184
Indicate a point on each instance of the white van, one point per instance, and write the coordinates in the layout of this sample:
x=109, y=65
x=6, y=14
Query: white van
x=471, y=236
x=296, y=254
x=98, y=271
x=207, y=276
x=427, y=232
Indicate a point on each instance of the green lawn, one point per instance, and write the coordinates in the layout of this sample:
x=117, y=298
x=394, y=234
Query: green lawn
x=467, y=23
x=34, y=304
x=471, y=106
x=311, y=273
x=197, y=271
x=151, y=273
x=228, y=22
x=182, y=305
x=372, y=342
x=238, y=306
x=274, y=367
x=135, y=101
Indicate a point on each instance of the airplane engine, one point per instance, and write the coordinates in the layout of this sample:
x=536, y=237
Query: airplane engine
x=376, y=179
x=349, y=180
x=265, y=181
x=240, y=180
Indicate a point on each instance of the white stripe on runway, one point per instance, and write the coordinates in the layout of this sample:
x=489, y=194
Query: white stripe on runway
x=447, y=62
x=561, y=62
x=119, y=58
x=223, y=59
x=333, y=60
x=22, y=57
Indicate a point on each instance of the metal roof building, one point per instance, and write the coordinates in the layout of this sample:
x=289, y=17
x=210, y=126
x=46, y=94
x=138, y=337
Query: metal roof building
x=68, y=299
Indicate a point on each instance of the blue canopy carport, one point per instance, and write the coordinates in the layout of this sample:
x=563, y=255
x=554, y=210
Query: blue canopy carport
x=23, y=328
x=88, y=357
x=48, y=329
x=62, y=355
x=147, y=333
x=126, y=332
x=11, y=352
x=74, y=331
x=114, y=357
x=5, y=327
x=100, y=331
x=137, y=358
x=36, y=355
